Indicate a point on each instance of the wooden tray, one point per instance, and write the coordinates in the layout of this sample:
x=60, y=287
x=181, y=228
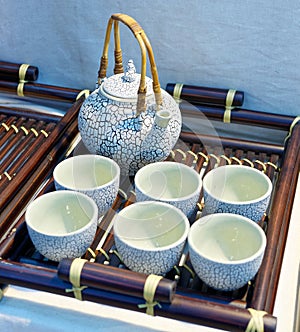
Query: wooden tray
x=193, y=301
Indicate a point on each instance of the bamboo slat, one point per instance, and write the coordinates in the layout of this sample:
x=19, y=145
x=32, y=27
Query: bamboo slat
x=267, y=279
x=188, y=309
x=42, y=91
x=8, y=146
x=11, y=246
x=36, y=167
x=5, y=125
x=29, y=114
x=108, y=278
x=11, y=72
x=204, y=95
x=210, y=140
x=11, y=132
x=238, y=115
x=31, y=152
x=15, y=160
x=104, y=228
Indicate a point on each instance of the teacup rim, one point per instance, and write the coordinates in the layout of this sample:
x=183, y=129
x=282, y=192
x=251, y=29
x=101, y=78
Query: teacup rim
x=85, y=156
x=183, y=237
x=165, y=163
x=205, y=219
x=232, y=202
x=93, y=219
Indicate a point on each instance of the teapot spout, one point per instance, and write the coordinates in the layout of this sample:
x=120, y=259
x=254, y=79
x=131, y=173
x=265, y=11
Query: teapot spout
x=162, y=118
x=158, y=143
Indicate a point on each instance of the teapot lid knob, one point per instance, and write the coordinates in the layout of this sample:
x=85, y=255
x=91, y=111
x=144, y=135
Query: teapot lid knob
x=130, y=72
x=125, y=85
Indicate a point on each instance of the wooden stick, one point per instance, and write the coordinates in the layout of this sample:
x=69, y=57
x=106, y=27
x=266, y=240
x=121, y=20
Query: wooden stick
x=204, y=95
x=183, y=308
x=12, y=145
x=113, y=279
x=106, y=241
x=17, y=144
x=6, y=141
x=10, y=243
x=103, y=228
x=10, y=72
x=5, y=125
x=29, y=113
x=21, y=197
x=16, y=166
x=23, y=150
x=42, y=91
x=208, y=140
x=238, y=115
x=37, y=169
x=268, y=276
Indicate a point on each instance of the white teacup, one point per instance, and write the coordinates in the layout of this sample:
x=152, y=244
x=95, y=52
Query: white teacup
x=150, y=236
x=94, y=175
x=226, y=250
x=170, y=182
x=237, y=189
x=62, y=224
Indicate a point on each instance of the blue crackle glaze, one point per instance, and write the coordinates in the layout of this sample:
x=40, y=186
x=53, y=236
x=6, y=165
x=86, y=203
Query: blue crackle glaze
x=155, y=262
x=113, y=129
x=253, y=211
x=57, y=247
x=233, y=276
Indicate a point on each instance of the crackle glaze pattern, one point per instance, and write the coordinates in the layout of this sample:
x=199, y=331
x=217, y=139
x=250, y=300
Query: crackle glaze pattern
x=58, y=247
x=125, y=85
x=110, y=128
x=146, y=261
x=104, y=197
x=187, y=206
x=151, y=150
x=253, y=211
x=225, y=277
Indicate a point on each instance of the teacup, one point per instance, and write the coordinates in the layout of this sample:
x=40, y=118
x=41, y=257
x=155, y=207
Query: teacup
x=226, y=250
x=94, y=175
x=62, y=224
x=170, y=182
x=150, y=236
x=237, y=189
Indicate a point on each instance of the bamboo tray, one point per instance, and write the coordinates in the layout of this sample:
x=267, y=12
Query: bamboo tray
x=193, y=301
x=31, y=142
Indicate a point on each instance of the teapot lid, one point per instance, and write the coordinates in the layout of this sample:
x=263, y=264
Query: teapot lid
x=125, y=85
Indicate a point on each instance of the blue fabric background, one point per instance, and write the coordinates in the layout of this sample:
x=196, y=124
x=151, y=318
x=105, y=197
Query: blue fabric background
x=248, y=45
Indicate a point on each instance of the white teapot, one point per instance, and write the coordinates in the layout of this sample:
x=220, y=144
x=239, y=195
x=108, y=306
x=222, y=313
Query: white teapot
x=129, y=118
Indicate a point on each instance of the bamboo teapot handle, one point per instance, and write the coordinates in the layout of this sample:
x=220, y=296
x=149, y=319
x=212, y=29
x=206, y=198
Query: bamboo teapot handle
x=145, y=47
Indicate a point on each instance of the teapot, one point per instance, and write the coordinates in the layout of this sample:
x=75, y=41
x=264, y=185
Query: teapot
x=129, y=118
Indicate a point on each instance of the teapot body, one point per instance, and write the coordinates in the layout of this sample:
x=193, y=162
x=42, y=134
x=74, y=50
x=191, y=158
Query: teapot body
x=112, y=127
